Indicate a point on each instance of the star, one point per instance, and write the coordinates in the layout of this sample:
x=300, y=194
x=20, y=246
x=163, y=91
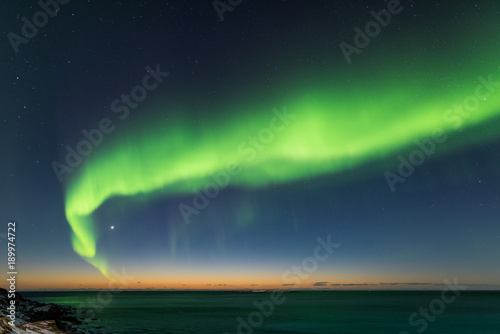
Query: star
x=112, y=227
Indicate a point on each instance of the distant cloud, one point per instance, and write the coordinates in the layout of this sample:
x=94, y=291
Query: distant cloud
x=336, y=284
x=355, y=284
x=208, y=284
x=290, y=284
x=253, y=284
x=320, y=284
x=411, y=283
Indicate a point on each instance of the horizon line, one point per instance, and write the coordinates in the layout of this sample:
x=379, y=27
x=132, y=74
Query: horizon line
x=493, y=288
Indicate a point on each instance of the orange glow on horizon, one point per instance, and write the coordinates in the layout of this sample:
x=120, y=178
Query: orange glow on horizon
x=191, y=279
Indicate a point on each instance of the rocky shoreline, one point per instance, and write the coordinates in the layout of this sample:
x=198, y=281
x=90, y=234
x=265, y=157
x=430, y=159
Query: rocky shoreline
x=35, y=317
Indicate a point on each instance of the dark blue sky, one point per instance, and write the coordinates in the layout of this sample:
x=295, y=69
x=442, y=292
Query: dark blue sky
x=441, y=223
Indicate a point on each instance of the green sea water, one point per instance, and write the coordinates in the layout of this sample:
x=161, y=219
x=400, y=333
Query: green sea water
x=398, y=312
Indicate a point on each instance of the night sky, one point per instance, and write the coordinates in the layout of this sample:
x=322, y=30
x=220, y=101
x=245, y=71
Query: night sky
x=195, y=147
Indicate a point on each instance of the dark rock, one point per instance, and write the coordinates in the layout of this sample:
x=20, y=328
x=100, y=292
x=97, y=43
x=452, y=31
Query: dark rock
x=41, y=315
x=4, y=297
x=46, y=326
x=4, y=326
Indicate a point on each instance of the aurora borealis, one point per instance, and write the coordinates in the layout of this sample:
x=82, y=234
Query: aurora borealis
x=261, y=139
x=313, y=136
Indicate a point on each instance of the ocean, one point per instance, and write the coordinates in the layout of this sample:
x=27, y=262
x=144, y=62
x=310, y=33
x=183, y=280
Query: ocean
x=387, y=312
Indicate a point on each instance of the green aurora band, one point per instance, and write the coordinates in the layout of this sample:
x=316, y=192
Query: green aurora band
x=330, y=133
